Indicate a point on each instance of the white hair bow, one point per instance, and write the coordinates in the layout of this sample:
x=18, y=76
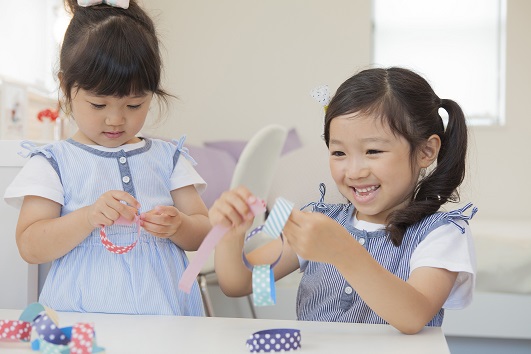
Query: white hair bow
x=322, y=95
x=124, y=4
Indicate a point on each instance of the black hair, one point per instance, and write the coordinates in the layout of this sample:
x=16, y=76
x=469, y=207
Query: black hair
x=110, y=51
x=406, y=102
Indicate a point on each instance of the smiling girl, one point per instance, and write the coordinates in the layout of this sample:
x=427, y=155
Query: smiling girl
x=389, y=255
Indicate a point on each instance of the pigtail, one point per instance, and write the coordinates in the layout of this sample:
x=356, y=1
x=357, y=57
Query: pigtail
x=441, y=184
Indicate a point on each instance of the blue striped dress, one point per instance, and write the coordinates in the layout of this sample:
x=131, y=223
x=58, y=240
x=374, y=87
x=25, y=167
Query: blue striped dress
x=91, y=279
x=325, y=295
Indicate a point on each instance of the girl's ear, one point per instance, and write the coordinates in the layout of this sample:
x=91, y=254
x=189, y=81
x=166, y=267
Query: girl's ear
x=429, y=152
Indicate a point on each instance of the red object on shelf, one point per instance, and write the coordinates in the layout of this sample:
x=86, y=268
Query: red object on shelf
x=51, y=114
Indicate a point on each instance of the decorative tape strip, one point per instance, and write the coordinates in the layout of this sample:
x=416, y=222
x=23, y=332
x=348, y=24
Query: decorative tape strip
x=79, y=338
x=207, y=246
x=263, y=279
x=15, y=331
x=278, y=217
x=49, y=331
x=120, y=249
x=274, y=340
x=82, y=338
x=264, y=293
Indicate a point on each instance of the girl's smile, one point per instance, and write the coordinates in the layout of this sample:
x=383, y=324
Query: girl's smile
x=365, y=194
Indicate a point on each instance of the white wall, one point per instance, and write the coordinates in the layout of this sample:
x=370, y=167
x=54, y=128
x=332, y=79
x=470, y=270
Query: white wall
x=238, y=64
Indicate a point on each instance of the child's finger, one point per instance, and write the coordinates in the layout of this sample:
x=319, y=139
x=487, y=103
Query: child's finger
x=123, y=196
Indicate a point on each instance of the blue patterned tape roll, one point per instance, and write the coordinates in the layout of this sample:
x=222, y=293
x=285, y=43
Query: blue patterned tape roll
x=274, y=340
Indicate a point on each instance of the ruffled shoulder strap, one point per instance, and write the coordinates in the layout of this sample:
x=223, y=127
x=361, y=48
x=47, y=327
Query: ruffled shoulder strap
x=183, y=149
x=458, y=214
x=33, y=149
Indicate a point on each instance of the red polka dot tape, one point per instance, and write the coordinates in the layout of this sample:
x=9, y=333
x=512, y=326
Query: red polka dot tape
x=111, y=247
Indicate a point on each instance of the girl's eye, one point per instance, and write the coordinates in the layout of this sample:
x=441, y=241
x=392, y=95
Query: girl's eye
x=373, y=152
x=136, y=106
x=97, y=106
x=337, y=153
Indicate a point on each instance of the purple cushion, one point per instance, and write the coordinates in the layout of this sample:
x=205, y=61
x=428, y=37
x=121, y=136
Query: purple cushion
x=232, y=147
x=292, y=142
x=235, y=147
x=216, y=167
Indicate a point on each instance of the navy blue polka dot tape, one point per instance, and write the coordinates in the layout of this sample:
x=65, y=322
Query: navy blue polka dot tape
x=274, y=340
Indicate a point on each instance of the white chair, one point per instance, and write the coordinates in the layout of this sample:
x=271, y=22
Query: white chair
x=255, y=170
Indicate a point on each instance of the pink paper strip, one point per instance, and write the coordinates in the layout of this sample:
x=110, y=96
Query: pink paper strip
x=207, y=246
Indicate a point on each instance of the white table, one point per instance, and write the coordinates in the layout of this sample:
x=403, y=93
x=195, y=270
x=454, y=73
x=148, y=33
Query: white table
x=173, y=334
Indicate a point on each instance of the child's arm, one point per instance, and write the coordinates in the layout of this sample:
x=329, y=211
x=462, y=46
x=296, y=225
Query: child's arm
x=186, y=223
x=407, y=306
x=235, y=279
x=42, y=235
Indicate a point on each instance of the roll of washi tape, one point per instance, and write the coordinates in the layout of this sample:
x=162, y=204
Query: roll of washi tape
x=274, y=340
x=120, y=249
x=263, y=279
x=207, y=246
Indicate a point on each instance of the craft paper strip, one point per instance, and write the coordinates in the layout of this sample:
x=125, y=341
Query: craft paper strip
x=207, y=246
x=82, y=338
x=274, y=340
x=49, y=331
x=200, y=257
x=278, y=217
x=264, y=293
x=263, y=279
x=79, y=338
x=120, y=249
x=15, y=331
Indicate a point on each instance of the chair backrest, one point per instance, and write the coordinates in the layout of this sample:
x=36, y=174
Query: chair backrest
x=257, y=164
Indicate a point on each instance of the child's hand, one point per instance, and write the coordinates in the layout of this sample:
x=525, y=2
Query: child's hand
x=232, y=209
x=315, y=236
x=110, y=206
x=163, y=221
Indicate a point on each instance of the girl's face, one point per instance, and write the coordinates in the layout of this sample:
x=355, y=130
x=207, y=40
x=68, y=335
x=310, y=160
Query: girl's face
x=371, y=166
x=108, y=121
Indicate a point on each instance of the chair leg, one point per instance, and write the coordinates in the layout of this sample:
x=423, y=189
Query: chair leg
x=251, y=305
x=209, y=309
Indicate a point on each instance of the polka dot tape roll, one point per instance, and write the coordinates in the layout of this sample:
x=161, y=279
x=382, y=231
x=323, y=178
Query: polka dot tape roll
x=274, y=340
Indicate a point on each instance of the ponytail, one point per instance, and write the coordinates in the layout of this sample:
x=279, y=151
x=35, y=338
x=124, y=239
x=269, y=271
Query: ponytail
x=441, y=184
